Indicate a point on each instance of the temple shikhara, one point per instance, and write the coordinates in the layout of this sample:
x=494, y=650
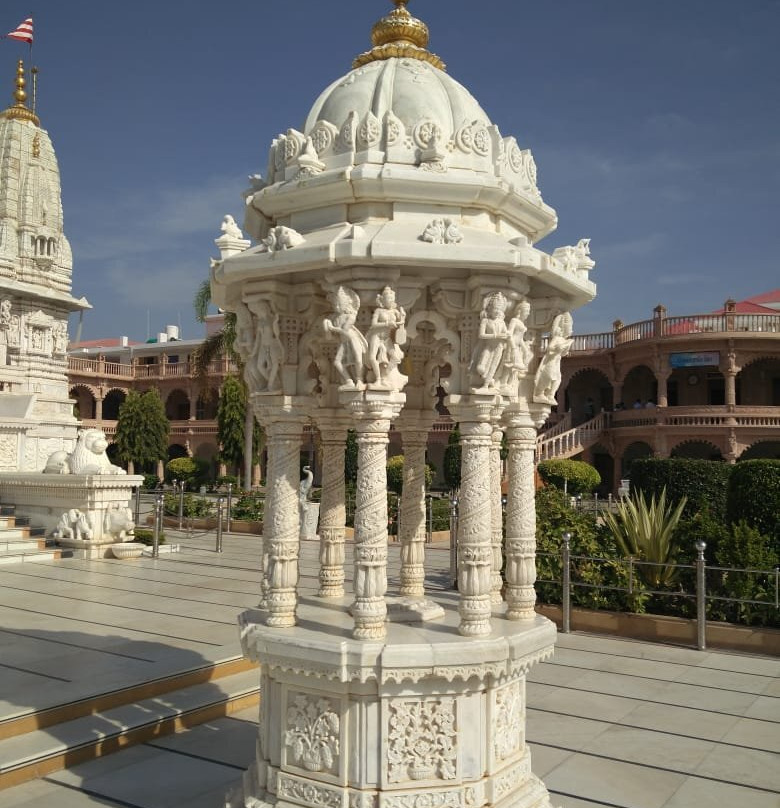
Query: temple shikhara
x=395, y=257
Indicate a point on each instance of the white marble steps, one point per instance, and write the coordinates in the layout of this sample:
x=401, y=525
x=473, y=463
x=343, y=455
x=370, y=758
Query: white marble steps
x=20, y=542
x=37, y=744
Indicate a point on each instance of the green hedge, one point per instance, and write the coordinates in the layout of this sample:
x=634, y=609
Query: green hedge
x=754, y=497
x=703, y=482
x=579, y=477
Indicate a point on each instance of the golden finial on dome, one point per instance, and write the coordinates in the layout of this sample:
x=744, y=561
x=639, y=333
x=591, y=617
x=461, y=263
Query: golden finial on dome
x=399, y=34
x=19, y=110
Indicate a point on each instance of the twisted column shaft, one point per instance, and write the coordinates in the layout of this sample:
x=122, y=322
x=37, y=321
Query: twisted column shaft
x=521, y=524
x=413, y=514
x=474, y=530
x=332, y=512
x=369, y=608
x=281, y=522
x=496, y=520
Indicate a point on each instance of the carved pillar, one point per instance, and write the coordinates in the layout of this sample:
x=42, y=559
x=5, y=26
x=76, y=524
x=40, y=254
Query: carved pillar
x=662, y=377
x=332, y=510
x=731, y=388
x=193, y=402
x=496, y=517
x=99, y=408
x=281, y=521
x=520, y=519
x=413, y=511
x=369, y=608
x=474, y=523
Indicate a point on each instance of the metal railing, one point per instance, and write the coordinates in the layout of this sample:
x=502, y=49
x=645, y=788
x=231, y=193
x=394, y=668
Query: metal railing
x=701, y=595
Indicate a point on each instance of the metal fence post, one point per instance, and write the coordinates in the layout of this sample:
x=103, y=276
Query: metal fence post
x=220, y=509
x=701, y=598
x=158, y=522
x=566, y=599
x=181, y=503
x=229, y=505
x=454, y=541
x=429, y=532
x=138, y=504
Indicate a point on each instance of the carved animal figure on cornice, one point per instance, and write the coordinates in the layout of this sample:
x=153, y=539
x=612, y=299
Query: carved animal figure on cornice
x=575, y=258
x=230, y=228
x=89, y=456
x=548, y=375
x=281, y=238
x=491, y=341
x=385, y=337
x=350, y=355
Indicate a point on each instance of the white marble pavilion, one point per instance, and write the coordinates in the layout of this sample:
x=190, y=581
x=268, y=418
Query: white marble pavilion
x=395, y=254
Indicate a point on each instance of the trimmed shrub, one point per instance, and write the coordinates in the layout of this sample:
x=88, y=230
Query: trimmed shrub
x=151, y=481
x=249, y=507
x=754, y=496
x=395, y=474
x=745, y=555
x=702, y=482
x=577, y=477
x=554, y=517
x=147, y=536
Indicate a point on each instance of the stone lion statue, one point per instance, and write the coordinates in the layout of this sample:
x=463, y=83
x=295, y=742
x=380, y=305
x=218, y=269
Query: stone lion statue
x=89, y=456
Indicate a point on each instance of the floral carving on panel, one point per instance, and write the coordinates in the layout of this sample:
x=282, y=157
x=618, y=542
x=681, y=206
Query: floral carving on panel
x=422, y=740
x=509, y=716
x=312, y=736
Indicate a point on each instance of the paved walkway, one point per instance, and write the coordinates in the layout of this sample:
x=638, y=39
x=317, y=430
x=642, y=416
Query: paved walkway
x=611, y=722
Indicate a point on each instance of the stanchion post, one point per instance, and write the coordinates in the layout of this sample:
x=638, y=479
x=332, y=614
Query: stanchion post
x=158, y=521
x=220, y=511
x=566, y=595
x=138, y=505
x=454, y=541
x=429, y=532
x=701, y=597
x=229, y=505
x=181, y=503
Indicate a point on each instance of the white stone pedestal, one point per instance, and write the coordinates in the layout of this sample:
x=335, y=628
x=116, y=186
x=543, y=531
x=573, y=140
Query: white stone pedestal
x=427, y=719
x=95, y=507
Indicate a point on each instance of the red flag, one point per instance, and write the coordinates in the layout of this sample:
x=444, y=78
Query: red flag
x=24, y=32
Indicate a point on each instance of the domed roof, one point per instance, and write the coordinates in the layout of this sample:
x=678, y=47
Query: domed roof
x=414, y=91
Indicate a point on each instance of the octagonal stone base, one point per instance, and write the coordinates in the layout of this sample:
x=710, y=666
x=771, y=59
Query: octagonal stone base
x=427, y=719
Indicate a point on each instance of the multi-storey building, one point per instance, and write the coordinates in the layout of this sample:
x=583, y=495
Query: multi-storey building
x=698, y=385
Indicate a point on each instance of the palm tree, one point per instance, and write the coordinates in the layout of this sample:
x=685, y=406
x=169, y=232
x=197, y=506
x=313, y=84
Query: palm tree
x=222, y=343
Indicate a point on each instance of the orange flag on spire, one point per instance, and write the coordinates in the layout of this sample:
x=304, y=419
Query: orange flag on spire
x=23, y=33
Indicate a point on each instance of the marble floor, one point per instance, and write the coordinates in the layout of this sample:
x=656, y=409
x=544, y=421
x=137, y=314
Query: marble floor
x=611, y=722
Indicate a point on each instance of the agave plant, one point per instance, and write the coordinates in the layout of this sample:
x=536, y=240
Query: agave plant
x=644, y=530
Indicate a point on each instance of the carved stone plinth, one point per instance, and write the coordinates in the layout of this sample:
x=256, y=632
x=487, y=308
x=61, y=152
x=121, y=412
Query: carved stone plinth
x=84, y=512
x=427, y=718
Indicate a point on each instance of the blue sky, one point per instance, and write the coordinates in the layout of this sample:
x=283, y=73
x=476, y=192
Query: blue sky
x=655, y=127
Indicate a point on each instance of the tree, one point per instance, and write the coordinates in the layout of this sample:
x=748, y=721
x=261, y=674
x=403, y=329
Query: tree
x=231, y=421
x=142, y=430
x=222, y=343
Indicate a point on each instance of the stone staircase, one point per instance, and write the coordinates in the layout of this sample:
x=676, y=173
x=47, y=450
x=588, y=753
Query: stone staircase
x=21, y=542
x=37, y=742
x=563, y=441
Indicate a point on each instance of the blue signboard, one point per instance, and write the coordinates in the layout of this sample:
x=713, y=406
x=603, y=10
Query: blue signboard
x=698, y=359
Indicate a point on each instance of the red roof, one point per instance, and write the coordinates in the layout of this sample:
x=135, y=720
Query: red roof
x=748, y=307
x=766, y=297
x=107, y=342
